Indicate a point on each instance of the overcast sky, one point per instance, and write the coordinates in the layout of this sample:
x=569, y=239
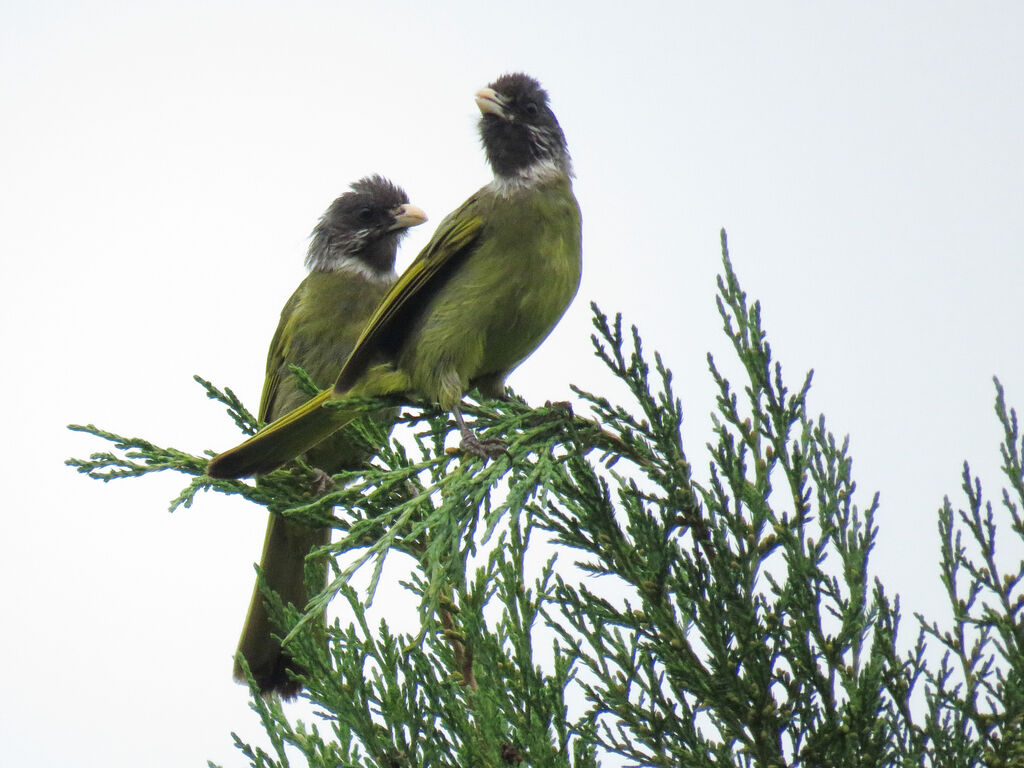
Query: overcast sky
x=162, y=165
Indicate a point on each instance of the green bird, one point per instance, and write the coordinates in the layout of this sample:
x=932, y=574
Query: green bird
x=351, y=262
x=491, y=284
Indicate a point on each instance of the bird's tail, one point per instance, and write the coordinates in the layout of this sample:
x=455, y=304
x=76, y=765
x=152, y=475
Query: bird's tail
x=283, y=571
x=281, y=441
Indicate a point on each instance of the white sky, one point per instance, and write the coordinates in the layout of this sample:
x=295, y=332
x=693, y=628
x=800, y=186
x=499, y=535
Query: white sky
x=163, y=164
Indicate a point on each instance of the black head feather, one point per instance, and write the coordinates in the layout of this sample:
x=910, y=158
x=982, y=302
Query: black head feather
x=359, y=226
x=519, y=131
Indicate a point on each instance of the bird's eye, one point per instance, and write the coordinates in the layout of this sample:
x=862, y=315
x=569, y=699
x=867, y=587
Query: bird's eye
x=365, y=215
x=531, y=109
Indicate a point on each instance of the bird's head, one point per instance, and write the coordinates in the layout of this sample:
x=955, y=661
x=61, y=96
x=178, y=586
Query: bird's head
x=362, y=228
x=520, y=133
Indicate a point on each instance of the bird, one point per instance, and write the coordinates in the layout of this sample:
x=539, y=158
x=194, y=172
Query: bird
x=487, y=289
x=351, y=263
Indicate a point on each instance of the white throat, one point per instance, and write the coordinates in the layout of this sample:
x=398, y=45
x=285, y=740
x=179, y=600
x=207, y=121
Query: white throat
x=353, y=266
x=532, y=176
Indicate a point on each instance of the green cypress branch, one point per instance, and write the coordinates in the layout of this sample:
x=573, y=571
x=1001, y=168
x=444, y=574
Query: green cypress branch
x=589, y=598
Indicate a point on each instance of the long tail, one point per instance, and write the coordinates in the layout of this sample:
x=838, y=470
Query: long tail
x=283, y=565
x=282, y=440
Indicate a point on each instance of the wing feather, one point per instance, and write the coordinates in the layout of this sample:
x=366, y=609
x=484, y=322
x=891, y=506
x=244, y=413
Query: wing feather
x=457, y=233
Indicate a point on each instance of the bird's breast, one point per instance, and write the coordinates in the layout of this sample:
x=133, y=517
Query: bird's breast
x=505, y=298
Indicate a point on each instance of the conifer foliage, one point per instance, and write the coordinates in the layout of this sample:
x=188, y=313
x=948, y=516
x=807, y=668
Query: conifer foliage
x=594, y=598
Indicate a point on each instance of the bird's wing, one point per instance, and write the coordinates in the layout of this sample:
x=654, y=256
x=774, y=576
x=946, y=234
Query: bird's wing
x=276, y=356
x=456, y=235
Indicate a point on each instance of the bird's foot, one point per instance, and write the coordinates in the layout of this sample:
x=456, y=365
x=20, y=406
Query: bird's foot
x=559, y=405
x=484, y=449
x=553, y=411
x=322, y=482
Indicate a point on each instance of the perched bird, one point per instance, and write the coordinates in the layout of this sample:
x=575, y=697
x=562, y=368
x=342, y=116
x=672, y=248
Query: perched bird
x=487, y=289
x=351, y=259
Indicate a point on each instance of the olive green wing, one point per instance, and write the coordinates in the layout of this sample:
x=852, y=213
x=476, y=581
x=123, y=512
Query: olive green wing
x=456, y=236
x=277, y=355
x=299, y=429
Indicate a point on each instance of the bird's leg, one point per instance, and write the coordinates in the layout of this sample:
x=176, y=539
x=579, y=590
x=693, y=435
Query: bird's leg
x=559, y=405
x=322, y=482
x=485, y=449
